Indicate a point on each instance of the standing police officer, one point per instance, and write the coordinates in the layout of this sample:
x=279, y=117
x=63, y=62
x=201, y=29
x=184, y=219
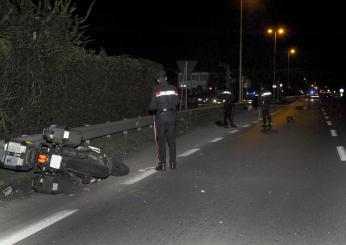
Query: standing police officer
x=265, y=98
x=164, y=102
x=228, y=109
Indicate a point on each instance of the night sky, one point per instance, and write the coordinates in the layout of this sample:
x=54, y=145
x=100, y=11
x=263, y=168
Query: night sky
x=208, y=31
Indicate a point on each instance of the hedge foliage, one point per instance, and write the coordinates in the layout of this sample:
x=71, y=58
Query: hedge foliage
x=47, y=77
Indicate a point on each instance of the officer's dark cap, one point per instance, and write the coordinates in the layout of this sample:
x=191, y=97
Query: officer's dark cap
x=161, y=75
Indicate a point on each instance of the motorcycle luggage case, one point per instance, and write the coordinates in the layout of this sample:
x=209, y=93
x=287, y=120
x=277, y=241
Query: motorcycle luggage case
x=62, y=135
x=52, y=184
x=18, y=155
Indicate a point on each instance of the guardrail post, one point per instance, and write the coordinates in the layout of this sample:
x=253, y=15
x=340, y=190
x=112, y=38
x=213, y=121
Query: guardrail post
x=108, y=136
x=137, y=124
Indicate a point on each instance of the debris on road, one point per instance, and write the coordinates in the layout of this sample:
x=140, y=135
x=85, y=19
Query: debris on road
x=7, y=191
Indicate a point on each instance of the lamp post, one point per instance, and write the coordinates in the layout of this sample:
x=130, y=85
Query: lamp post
x=240, y=99
x=291, y=51
x=275, y=32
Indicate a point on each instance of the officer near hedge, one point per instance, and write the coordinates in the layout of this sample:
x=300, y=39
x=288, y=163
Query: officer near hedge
x=265, y=98
x=163, y=104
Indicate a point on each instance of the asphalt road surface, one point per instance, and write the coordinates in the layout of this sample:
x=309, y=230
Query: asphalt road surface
x=239, y=186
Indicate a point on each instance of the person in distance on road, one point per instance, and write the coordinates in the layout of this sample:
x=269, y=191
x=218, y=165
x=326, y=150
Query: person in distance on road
x=163, y=104
x=265, y=98
x=228, y=109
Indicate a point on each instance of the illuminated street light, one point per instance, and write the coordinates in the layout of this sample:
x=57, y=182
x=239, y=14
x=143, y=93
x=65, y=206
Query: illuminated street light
x=290, y=52
x=278, y=31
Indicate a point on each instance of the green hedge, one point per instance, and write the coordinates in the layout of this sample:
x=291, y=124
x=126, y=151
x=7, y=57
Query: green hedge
x=47, y=77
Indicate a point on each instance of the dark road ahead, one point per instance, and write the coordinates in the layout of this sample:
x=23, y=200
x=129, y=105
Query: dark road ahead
x=242, y=186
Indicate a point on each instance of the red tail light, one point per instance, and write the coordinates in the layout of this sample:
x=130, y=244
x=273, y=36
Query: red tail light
x=42, y=158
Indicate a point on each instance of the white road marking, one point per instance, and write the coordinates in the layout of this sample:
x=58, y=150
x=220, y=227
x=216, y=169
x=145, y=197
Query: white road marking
x=342, y=153
x=215, y=140
x=36, y=227
x=145, y=169
x=189, y=152
x=333, y=132
x=329, y=123
x=233, y=131
x=326, y=117
x=139, y=177
x=246, y=125
x=254, y=122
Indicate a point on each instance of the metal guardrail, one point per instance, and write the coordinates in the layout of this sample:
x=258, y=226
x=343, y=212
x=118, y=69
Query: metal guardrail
x=104, y=129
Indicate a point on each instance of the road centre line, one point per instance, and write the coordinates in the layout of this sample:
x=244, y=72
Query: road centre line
x=188, y=152
x=215, y=140
x=329, y=123
x=342, y=153
x=333, y=133
x=139, y=177
x=246, y=125
x=234, y=131
x=254, y=122
x=36, y=227
x=326, y=117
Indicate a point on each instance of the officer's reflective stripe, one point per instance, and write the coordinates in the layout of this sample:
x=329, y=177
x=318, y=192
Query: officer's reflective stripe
x=164, y=93
x=266, y=94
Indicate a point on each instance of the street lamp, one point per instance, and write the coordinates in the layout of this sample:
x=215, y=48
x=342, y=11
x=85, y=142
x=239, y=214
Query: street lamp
x=291, y=51
x=275, y=32
x=241, y=53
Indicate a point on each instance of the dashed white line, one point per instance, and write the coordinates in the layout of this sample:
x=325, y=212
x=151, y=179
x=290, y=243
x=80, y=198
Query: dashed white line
x=254, y=122
x=326, y=117
x=139, y=177
x=189, y=152
x=233, y=131
x=329, y=123
x=333, y=133
x=36, y=227
x=342, y=153
x=215, y=140
x=246, y=125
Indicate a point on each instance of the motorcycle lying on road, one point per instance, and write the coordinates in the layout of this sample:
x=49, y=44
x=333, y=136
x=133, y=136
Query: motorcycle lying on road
x=60, y=160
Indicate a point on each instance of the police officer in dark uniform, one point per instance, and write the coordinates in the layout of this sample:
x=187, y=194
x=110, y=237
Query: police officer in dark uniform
x=228, y=109
x=265, y=98
x=164, y=102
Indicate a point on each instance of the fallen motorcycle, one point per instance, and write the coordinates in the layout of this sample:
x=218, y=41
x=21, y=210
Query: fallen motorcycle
x=60, y=160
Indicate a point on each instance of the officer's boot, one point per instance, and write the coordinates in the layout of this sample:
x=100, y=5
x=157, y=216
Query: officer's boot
x=270, y=122
x=161, y=167
x=173, y=165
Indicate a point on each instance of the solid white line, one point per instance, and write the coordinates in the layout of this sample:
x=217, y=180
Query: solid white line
x=34, y=228
x=233, y=131
x=246, y=125
x=329, y=123
x=139, y=177
x=342, y=153
x=189, y=152
x=145, y=169
x=215, y=140
x=333, y=132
